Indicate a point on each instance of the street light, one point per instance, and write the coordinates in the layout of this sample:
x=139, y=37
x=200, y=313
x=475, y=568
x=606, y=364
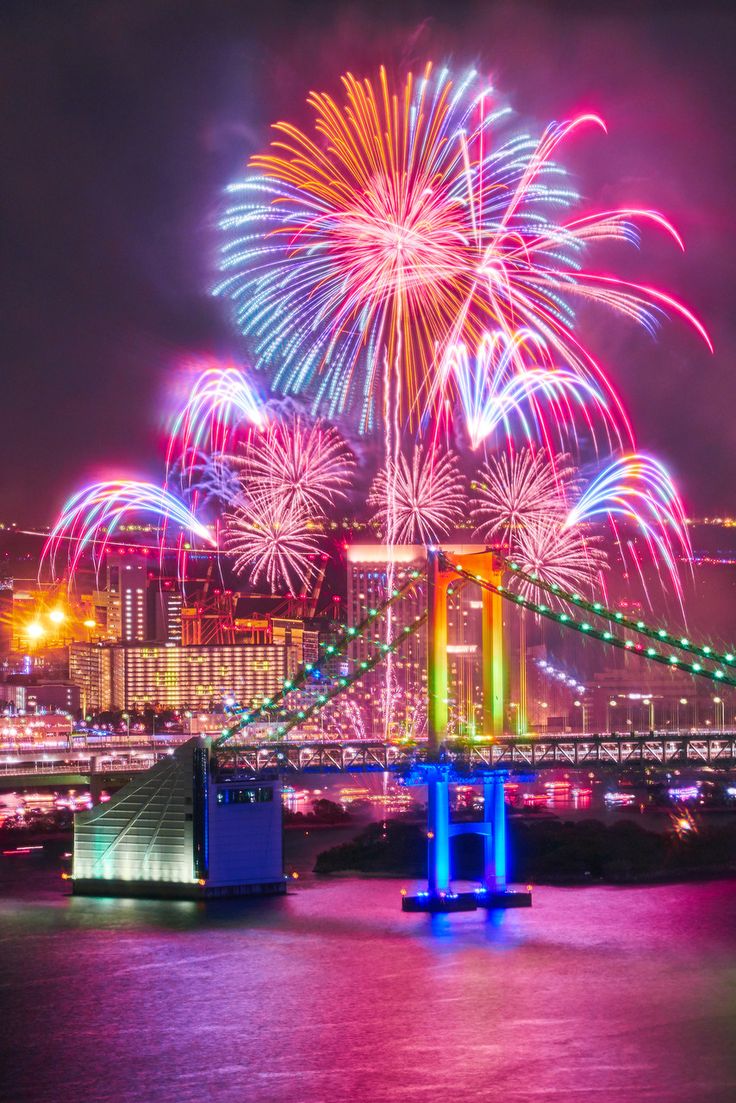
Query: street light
x=582, y=705
x=650, y=704
x=611, y=705
x=719, y=701
x=682, y=701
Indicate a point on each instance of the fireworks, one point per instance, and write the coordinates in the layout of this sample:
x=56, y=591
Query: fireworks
x=521, y=488
x=558, y=555
x=404, y=223
x=90, y=517
x=271, y=540
x=428, y=496
x=638, y=490
x=214, y=480
x=305, y=465
x=502, y=384
x=220, y=398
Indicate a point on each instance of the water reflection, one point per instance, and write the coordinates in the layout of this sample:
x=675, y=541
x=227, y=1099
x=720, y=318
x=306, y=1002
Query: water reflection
x=332, y=993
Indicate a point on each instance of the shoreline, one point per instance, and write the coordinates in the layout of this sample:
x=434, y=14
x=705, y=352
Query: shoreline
x=687, y=877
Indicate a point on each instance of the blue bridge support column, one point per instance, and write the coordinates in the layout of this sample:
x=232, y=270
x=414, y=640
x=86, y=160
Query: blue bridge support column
x=493, y=892
x=438, y=837
x=494, y=842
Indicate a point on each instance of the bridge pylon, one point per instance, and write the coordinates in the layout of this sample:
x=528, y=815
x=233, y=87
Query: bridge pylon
x=439, y=580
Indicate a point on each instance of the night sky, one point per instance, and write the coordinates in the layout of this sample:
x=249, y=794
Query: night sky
x=121, y=122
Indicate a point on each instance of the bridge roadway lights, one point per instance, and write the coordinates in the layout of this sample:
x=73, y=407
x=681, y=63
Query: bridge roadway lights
x=493, y=893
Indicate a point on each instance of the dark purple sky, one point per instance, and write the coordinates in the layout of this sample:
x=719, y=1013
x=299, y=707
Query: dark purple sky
x=121, y=121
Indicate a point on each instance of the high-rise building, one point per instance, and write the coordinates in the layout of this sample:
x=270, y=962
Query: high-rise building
x=89, y=668
x=164, y=610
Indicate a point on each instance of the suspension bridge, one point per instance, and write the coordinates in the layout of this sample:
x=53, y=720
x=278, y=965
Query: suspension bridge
x=207, y=820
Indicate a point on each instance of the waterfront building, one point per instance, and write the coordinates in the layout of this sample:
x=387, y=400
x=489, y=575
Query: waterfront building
x=185, y=829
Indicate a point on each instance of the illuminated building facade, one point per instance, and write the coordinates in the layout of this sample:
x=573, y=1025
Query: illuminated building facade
x=134, y=676
x=6, y=616
x=30, y=696
x=89, y=668
x=183, y=830
x=127, y=582
x=164, y=607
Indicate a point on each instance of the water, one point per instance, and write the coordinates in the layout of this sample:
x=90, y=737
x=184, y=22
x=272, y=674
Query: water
x=331, y=994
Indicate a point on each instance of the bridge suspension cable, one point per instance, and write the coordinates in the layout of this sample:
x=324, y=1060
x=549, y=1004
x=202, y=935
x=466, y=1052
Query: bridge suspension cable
x=564, y=619
x=346, y=681
x=661, y=635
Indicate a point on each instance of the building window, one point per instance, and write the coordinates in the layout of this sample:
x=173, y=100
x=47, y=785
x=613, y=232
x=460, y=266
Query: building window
x=254, y=795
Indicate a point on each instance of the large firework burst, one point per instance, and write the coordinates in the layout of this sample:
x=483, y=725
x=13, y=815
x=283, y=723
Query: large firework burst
x=305, y=465
x=420, y=499
x=271, y=539
x=403, y=223
x=521, y=488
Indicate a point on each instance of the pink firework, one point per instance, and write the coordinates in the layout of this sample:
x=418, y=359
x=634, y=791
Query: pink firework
x=558, y=555
x=421, y=499
x=305, y=464
x=637, y=491
x=92, y=515
x=220, y=401
x=272, y=540
x=510, y=383
x=520, y=488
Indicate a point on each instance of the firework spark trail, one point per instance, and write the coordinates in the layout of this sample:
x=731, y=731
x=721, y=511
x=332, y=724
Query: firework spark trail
x=91, y=516
x=271, y=539
x=498, y=387
x=637, y=489
x=350, y=712
x=220, y=398
x=405, y=217
x=428, y=496
x=520, y=488
x=306, y=464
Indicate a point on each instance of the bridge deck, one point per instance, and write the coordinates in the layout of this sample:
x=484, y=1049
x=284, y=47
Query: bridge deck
x=715, y=749
x=570, y=752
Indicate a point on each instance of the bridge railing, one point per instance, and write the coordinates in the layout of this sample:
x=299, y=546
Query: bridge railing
x=83, y=766
x=541, y=753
